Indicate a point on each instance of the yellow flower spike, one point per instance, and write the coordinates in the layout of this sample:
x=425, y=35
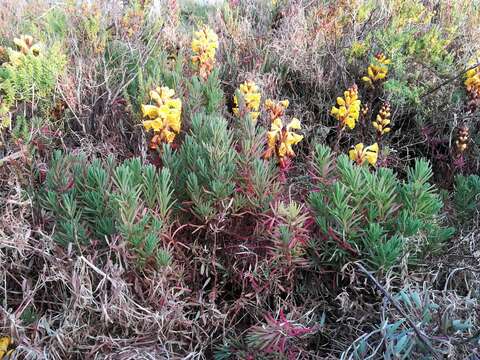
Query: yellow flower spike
x=378, y=70
x=168, y=136
x=164, y=117
x=382, y=121
x=155, y=125
x=360, y=154
x=348, y=109
x=251, y=96
x=382, y=59
x=165, y=92
x=36, y=50
x=277, y=125
x=462, y=138
x=204, y=45
x=472, y=85
x=155, y=96
x=367, y=80
x=280, y=138
x=15, y=57
x=471, y=73
x=370, y=72
x=23, y=43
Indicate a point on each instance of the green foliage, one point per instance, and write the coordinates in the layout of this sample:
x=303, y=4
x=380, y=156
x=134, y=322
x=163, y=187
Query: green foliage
x=204, y=167
x=258, y=178
x=34, y=78
x=29, y=315
x=159, y=70
x=59, y=197
x=55, y=24
x=373, y=215
x=141, y=229
x=206, y=95
x=467, y=196
x=21, y=128
x=288, y=234
x=95, y=200
x=420, y=51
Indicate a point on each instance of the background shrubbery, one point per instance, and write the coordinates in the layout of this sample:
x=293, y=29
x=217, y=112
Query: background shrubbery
x=240, y=236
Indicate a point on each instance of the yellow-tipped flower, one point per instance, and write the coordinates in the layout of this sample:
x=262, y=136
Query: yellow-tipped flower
x=164, y=118
x=280, y=138
x=348, y=109
x=382, y=59
x=26, y=46
x=251, y=96
x=472, y=85
x=6, y=343
x=473, y=78
x=382, y=121
x=360, y=154
x=276, y=109
x=378, y=70
x=204, y=46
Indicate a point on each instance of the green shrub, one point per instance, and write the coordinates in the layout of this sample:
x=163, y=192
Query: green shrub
x=206, y=96
x=467, y=196
x=204, y=167
x=372, y=214
x=90, y=200
x=257, y=178
x=34, y=78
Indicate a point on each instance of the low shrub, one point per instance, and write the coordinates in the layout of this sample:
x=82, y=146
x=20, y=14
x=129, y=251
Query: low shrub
x=373, y=215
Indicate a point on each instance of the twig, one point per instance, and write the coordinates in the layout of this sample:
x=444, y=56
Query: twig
x=438, y=87
x=11, y=157
x=423, y=338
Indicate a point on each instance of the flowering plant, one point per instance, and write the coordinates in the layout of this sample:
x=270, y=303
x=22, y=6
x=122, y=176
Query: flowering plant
x=204, y=46
x=348, y=109
x=378, y=70
x=472, y=85
x=359, y=153
x=382, y=121
x=163, y=117
x=251, y=96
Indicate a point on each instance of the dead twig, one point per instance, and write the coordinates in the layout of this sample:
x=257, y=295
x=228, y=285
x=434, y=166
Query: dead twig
x=423, y=338
x=12, y=157
x=438, y=87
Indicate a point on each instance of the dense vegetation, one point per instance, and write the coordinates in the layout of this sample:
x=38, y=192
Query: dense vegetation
x=255, y=179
